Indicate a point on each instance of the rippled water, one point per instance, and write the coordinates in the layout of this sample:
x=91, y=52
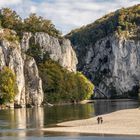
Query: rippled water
x=24, y=124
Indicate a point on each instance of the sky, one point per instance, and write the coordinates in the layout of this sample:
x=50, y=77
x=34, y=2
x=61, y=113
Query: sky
x=67, y=14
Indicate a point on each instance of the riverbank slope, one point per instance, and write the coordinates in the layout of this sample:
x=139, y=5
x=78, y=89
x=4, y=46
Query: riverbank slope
x=124, y=122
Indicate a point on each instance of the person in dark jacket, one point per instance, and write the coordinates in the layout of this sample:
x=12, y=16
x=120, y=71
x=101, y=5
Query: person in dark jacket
x=98, y=120
x=101, y=120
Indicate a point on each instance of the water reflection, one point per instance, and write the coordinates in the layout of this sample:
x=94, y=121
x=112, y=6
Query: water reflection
x=58, y=114
x=20, y=118
x=108, y=106
x=44, y=117
x=35, y=118
x=27, y=122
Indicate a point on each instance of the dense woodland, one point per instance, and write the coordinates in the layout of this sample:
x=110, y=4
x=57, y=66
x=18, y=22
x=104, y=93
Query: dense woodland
x=123, y=20
x=59, y=85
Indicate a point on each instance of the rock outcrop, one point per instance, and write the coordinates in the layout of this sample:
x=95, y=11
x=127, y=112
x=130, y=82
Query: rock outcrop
x=14, y=55
x=33, y=83
x=26, y=72
x=108, y=52
x=113, y=64
x=59, y=50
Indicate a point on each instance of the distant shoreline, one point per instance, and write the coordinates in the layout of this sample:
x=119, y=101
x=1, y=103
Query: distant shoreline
x=93, y=101
x=120, y=123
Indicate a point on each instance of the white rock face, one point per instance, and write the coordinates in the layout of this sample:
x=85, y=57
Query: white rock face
x=25, y=41
x=13, y=55
x=30, y=87
x=34, y=92
x=60, y=51
x=10, y=55
x=114, y=63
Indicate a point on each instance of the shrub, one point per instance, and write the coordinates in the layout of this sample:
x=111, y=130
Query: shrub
x=8, y=87
x=61, y=86
x=9, y=35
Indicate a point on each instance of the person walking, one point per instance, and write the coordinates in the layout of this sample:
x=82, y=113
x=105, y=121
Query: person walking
x=98, y=120
x=101, y=120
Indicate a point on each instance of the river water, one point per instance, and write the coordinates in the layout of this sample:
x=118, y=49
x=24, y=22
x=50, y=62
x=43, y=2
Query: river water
x=24, y=124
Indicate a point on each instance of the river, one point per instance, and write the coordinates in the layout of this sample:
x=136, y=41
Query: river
x=24, y=124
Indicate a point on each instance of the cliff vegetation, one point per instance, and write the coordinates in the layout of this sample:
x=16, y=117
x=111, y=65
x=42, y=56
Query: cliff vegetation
x=11, y=20
x=62, y=86
x=8, y=87
x=121, y=21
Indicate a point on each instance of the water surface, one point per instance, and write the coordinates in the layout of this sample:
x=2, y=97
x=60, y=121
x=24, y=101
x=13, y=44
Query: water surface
x=24, y=124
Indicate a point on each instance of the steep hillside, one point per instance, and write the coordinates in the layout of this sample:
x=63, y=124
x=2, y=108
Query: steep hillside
x=108, y=51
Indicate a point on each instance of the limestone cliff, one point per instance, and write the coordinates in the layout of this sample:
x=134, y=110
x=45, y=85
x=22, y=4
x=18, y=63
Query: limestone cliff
x=113, y=63
x=14, y=55
x=108, y=52
x=59, y=50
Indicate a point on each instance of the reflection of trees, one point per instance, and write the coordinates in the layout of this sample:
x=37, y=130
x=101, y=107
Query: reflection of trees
x=68, y=112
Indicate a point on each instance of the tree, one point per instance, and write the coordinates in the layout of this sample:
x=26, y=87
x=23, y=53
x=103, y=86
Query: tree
x=36, y=23
x=32, y=23
x=10, y=19
x=85, y=87
x=61, y=86
x=8, y=87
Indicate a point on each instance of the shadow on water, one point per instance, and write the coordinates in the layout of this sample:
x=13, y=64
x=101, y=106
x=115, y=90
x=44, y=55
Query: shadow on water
x=21, y=123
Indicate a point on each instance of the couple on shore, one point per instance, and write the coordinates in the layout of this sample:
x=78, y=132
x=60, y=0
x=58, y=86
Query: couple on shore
x=100, y=120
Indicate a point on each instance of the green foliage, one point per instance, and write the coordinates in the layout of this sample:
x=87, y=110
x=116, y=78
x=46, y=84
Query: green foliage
x=8, y=88
x=61, y=86
x=37, y=24
x=35, y=52
x=11, y=20
x=122, y=20
x=9, y=35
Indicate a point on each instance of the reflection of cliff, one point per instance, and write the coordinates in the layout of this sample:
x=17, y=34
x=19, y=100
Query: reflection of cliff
x=20, y=116
x=35, y=118
x=20, y=121
x=26, y=118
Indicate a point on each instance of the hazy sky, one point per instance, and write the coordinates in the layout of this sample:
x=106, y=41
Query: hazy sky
x=67, y=14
